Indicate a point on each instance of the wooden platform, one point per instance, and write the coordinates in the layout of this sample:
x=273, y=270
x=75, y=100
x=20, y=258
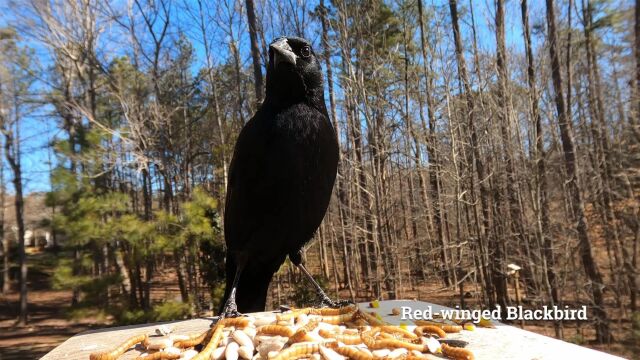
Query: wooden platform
x=504, y=342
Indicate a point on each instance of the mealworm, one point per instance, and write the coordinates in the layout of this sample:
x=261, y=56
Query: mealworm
x=193, y=340
x=301, y=333
x=332, y=311
x=416, y=357
x=393, y=343
x=293, y=314
x=346, y=339
x=330, y=354
x=113, y=354
x=446, y=327
x=160, y=355
x=216, y=336
x=240, y=322
x=356, y=322
x=381, y=353
x=430, y=329
x=388, y=336
x=294, y=351
x=337, y=319
x=276, y=330
x=353, y=353
x=456, y=353
x=399, y=331
x=371, y=319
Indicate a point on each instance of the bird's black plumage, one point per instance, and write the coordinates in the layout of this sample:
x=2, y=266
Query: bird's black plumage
x=281, y=175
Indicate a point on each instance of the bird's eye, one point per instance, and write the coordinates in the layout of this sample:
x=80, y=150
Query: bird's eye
x=305, y=51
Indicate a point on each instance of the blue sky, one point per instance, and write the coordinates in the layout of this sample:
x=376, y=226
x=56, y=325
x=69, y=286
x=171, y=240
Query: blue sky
x=39, y=129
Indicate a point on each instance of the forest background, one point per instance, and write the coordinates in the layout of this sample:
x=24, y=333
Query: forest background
x=474, y=136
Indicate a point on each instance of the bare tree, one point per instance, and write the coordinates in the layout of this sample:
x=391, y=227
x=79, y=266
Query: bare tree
x=255, y=50
x=573, y=186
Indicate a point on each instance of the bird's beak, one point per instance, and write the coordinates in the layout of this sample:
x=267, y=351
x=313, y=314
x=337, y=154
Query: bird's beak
x=282, y=52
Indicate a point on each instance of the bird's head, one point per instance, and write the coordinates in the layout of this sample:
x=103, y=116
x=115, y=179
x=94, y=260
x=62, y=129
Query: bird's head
x=294, y=71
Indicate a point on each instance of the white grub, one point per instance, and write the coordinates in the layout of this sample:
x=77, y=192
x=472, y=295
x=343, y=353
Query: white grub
x=272, y=354
x=172, y=350
x=266, y=347
x=189, y=354
x=329, y=354
x=328, y=327
x=178, y=337
x=380, y=353
x=163, y=330
x=266, y=320
x=316, y=357
x=433, y=345
x=285, y=322
x=242, y=339
x=218, y=353
x=250, y=331
x=159, y=344
x=260, y=339
x=245, y=352
x=231, y=352
x=397, y=353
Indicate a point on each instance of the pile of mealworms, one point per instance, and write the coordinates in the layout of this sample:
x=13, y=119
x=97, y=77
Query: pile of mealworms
x=309, y=334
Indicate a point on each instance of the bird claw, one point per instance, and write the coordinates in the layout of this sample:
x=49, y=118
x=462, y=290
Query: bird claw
x=325, y=301
x=230, y=311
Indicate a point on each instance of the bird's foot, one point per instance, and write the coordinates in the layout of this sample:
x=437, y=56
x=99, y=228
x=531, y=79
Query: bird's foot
x=325, y=301
x=230, y=310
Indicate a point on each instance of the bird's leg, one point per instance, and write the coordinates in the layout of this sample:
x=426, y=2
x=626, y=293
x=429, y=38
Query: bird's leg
x=230, y=309
x=323, y=299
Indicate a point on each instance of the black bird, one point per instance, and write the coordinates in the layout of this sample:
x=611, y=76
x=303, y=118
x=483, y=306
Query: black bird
x=281, y=177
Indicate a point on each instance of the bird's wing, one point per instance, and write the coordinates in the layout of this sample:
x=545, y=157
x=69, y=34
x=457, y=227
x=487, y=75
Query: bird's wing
x=280, y=179
x=256, y=182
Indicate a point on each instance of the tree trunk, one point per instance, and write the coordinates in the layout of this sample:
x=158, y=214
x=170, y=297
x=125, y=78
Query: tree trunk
x=12, y=154
x=434, y=174
x=4, y=242
x=544, y=237
x=497, y=265
x=573, y=185
x=635, y=121
x=255, y=50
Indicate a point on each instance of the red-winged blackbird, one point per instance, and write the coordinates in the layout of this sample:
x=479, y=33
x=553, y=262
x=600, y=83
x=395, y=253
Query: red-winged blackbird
x=281, y=177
